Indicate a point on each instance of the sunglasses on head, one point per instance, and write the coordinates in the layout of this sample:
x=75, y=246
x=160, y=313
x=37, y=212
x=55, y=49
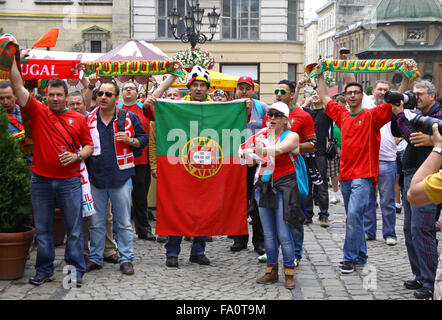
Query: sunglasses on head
x=276, y=114
x=107, y=93
x=282, y=92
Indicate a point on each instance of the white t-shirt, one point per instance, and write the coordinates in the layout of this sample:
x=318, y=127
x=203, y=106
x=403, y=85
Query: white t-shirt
x=388, y=149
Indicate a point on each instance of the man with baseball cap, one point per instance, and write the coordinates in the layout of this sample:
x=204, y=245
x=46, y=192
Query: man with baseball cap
x=245, y=89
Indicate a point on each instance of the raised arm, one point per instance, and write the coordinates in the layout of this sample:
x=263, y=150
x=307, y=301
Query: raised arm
x=17, y=85
x=322, y=90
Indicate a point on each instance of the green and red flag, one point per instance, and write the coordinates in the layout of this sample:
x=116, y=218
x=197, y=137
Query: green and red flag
x=201, y=187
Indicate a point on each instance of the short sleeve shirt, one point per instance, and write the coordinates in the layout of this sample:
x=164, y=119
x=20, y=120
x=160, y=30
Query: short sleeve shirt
x=433, y=187
x=360, y=139
x=48, y=141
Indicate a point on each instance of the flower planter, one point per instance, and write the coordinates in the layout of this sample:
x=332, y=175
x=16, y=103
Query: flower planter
x=14, y=250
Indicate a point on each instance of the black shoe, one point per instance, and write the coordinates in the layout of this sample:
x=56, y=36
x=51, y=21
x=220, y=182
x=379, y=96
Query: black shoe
x=423, y=293
x=202, y=259
x=149, y=236
x=112, y=259
x=172, y=261
x=238, y=246
x=260, y=249
x=413, y=284
x=308, y=221
x=324, y=222
x=39, y=279
x=162, y=239
x=347, y=267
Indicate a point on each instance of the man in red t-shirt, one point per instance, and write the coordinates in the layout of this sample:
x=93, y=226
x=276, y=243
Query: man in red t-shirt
x=58, y=134
x=359, y=163
x=141, y=180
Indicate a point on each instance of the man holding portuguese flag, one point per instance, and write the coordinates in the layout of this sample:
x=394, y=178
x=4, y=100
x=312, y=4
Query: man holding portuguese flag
x=201, y=185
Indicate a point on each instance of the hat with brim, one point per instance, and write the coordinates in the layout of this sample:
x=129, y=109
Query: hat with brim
x=281, y=107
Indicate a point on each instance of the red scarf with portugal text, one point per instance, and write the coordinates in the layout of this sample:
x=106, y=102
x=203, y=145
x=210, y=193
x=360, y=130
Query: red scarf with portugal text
x=125, y=157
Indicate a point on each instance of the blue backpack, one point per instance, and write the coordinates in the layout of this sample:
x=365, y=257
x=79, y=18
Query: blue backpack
x=301, y=170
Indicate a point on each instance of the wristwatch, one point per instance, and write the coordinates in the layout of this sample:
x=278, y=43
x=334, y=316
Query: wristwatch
x=79, y=157
x=133, y=141
x=438, y=150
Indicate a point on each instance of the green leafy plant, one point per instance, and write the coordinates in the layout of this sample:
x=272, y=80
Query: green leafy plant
x=15, y=197
x=329, y=79
x=195, y=57
x=369, y=90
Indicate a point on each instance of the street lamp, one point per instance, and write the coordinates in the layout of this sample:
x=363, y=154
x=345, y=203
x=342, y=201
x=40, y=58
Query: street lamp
x=193, y=23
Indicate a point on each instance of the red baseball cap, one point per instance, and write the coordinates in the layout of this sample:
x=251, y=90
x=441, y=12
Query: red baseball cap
x=247, y=80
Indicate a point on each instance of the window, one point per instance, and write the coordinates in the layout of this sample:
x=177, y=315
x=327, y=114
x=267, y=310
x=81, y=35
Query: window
x=292, y=17
x=164, y=8
x=240, y=19
x=291, y=76
x=95, y=46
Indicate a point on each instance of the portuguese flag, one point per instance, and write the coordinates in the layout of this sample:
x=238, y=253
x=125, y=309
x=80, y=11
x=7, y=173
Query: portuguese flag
x=201, y=186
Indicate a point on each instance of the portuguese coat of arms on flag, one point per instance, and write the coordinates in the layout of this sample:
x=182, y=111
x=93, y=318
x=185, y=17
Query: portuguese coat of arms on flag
x=201, y=186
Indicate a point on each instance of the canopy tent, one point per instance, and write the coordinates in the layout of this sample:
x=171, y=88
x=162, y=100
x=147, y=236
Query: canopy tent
x=219, y=81
x=134, y=50
x=62, y=55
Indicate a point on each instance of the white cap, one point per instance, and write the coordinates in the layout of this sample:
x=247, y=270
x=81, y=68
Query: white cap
x=281, y=107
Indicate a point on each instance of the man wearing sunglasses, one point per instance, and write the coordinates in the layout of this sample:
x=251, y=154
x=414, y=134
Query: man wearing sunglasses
x=359, y=163
x=58, y=132
x=245, y=89
x=111, y=168
x=141, y=180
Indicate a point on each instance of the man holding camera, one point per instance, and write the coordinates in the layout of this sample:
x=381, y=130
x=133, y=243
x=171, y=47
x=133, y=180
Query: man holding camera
x=419, y=221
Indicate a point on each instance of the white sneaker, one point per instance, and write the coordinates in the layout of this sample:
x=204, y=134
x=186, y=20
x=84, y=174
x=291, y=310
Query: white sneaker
x=334, y=200
x=263, y=258
x=391, y=241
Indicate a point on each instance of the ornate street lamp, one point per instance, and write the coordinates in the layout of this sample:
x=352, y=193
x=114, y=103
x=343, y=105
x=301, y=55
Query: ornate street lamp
x=193, y=23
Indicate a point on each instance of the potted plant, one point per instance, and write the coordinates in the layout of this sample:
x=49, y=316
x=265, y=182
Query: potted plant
x=16, y=234
x=195, y=57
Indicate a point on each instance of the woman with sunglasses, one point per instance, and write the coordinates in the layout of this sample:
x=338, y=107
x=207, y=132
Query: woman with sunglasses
x=278, y=197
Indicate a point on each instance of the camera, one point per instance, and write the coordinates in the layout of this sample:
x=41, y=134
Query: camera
x=394, y=97
x=424, y=124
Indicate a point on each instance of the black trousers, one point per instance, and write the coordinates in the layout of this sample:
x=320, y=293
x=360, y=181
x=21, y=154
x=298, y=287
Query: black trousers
x=141, y=184
x=258, y=233
x=322, y=190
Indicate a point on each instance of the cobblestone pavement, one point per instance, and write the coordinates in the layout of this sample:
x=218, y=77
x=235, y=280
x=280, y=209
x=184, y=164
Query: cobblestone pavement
x=231, y=276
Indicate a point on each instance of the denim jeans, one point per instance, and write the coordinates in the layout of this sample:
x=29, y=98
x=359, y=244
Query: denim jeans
x=298, y=236
x=420, y=236
x=276, y=233
x=67, y=193
x=120, y=199
x=354, y=193
x=386, y=186
x=173, y=246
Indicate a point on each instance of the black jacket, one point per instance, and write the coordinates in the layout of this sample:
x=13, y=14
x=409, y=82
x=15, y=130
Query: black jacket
x=291, y=199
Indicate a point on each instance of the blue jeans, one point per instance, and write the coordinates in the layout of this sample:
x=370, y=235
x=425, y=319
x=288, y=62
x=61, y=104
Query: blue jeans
x=386, y=186
x=298, y=236
x=173, y=246
x=420, y=236
x=354, y=193
x=67, y=193
x=276, y=233
x=120, y=199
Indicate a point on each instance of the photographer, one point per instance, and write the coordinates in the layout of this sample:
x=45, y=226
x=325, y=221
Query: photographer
x=426, y=187
x=419, y=221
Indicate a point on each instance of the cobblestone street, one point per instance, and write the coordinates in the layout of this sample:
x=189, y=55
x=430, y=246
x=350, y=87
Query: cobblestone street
x=231, y=276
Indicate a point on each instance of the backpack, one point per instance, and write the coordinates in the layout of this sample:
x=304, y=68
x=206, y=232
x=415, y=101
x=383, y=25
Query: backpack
x=121, y=121
x=301, y=170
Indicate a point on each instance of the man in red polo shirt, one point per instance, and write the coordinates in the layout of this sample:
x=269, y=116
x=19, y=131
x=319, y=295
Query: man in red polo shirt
x=58, y=134
x=359, y=163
